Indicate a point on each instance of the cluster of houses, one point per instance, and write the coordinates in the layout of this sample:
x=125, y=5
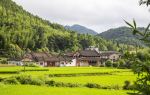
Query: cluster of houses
x=88, y=57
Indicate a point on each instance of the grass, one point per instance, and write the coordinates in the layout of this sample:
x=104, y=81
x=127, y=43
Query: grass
x=61, y=70
x=112, y=77
x=37, y=90
x=77, y=75
x=106, y=80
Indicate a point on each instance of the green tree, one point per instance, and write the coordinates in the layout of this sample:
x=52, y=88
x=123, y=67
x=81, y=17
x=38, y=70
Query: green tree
x=141, y=62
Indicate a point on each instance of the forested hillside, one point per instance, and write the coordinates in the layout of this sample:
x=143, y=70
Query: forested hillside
x=81, y=29
x=123, y=35
x=20, y=31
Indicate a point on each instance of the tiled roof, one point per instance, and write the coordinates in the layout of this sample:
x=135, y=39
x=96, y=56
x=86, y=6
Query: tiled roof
x=89, y=59
x=37, y=56
x=90, y=53
x=107, y=53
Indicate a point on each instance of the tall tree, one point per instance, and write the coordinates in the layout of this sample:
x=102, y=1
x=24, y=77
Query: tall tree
x=141, y=61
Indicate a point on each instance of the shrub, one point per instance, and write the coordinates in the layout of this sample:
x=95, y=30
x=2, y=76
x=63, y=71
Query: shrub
x=108, y=63
x=50, y=83
x=71, y=85
x=128, y=86
x=115, y=64
x=106, y=87
x=37, y=81
x=10, y=80
x=121, y=63
x=29, y=80
x=92, y=85
x=4, y=62
x=24, y=79
x=59, y=84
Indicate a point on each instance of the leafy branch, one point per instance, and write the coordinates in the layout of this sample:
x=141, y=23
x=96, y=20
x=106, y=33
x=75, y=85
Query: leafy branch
x=147, y=2
x=144, y=34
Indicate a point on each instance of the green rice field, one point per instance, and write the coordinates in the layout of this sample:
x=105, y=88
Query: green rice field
x=36, y=90
x=75, y=75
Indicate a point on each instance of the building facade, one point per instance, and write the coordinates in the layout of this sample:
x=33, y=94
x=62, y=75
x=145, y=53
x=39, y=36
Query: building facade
x=88, y=57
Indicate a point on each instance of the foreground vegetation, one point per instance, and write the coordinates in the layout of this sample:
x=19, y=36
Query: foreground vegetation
x=36, y=90
x=75, y=79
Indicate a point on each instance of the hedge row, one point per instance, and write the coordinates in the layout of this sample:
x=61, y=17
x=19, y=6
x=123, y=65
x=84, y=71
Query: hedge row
x=45, y=82
x=36, y=70
x=79, y=74
x=18, y=71
x=9, y=72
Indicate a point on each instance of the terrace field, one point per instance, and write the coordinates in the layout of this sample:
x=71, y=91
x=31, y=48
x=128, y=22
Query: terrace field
x=36, y=90
x=106, y=77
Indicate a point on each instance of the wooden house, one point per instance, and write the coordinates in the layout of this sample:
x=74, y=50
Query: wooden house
x=46, y=60
x=85, y=58
x=109, y=55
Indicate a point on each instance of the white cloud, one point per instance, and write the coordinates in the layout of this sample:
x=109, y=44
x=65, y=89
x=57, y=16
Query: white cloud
x=99, y=15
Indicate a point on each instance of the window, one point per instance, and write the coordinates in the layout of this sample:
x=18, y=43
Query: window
x=114, y=57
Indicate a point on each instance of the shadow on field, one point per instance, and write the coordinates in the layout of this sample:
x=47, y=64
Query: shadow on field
x=129, y=93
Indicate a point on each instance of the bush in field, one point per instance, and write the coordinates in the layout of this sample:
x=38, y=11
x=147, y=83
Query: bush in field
x=128, y=86
x=24, y=79
x=128, y=64
x=115, y=64
x=108, y=63
x=29, y=80
x=71, y=85
x=4, y=62
x=121, y=63
x=11, y=80
x=92, y=85
x=50, y=82
x=61, y=84
x=37, y=81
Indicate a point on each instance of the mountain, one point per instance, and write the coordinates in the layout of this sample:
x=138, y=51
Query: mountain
x=81, y=29
x=21, y=32
x=123, y=35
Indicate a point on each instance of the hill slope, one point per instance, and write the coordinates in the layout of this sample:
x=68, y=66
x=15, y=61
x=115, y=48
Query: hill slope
x=21, y=31
x=81, y=29
x=123, y=35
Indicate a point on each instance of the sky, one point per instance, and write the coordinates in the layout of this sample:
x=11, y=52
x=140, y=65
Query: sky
x=99, y=15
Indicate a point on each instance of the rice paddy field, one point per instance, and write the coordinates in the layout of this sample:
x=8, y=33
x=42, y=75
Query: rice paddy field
x=75, y=75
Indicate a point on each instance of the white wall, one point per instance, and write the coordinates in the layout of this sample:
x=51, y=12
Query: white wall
x=84, y=64
x=72, y=63
x=16, y=62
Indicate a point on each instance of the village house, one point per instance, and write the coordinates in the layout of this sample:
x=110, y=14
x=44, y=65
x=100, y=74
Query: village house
x=46, y=60
x=88, y=57
x=110, y=55
x=15, y=61
x=38, y=57
x=93, y=57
